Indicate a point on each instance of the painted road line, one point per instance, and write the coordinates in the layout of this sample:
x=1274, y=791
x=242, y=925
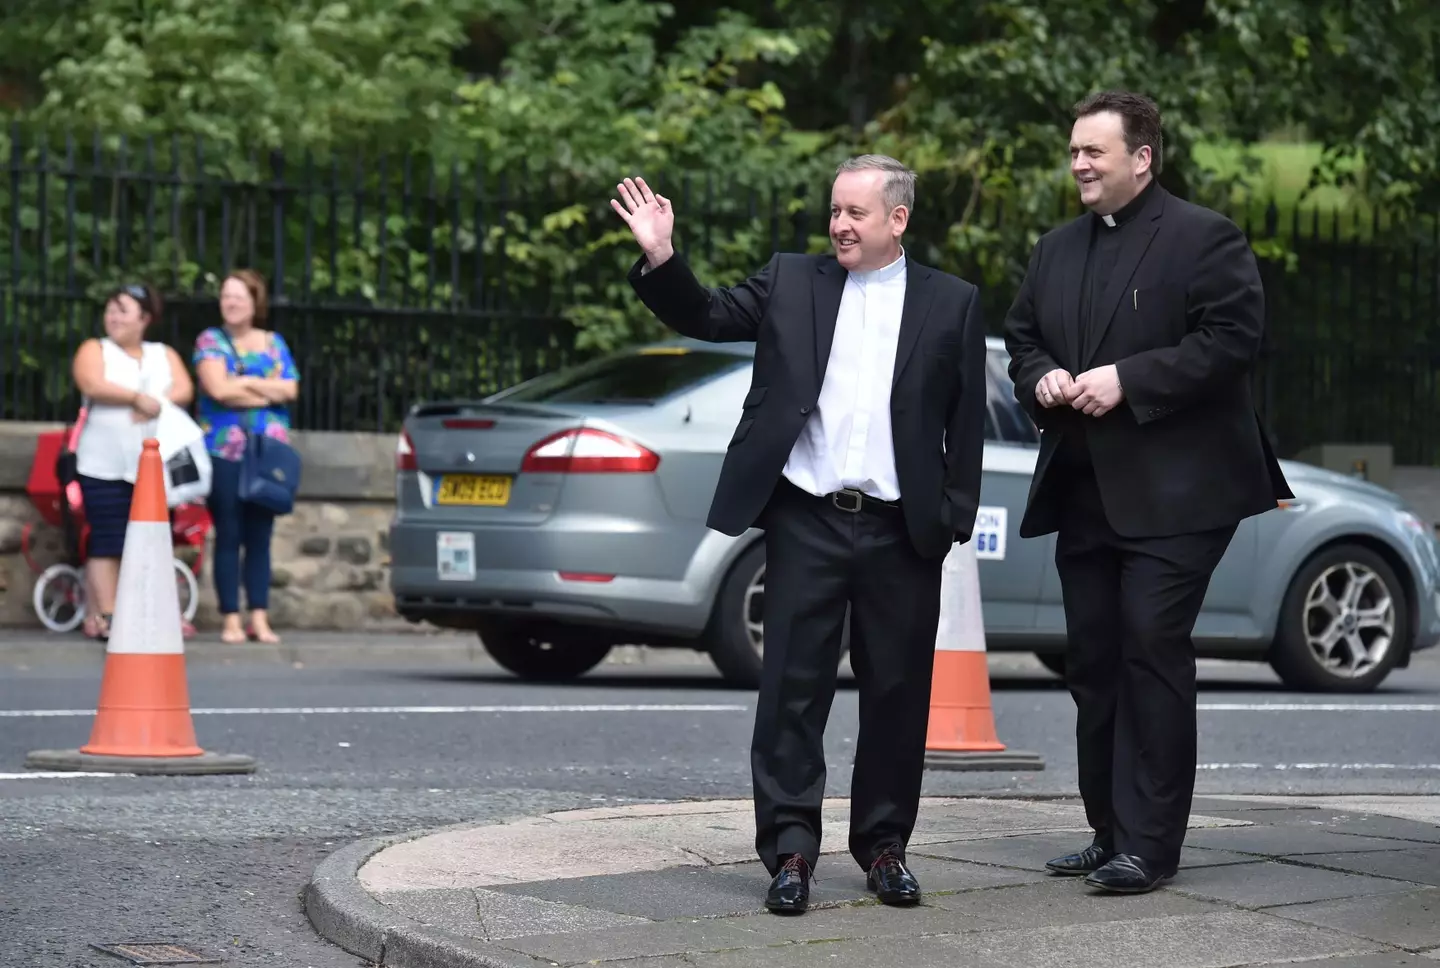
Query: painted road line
x=1320, y=766
x=662, y=707
x=1318, y=707
x=45, y=775
x=398, y=710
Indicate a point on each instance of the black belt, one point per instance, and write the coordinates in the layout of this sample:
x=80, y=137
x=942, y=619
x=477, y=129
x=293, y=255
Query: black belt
x=847, y=499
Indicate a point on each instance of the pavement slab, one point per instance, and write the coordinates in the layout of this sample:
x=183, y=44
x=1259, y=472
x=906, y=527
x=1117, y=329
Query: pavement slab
x=612, y=841
x=1410, y=920
x=1262, y=882
x=1423, y=809
x=1271, y=883
x=1021, y=850
x=1418, y=864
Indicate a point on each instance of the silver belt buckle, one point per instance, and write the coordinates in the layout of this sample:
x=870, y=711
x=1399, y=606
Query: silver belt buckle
x=847, y=492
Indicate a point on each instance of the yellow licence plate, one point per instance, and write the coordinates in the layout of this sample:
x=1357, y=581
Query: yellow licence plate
x=483, y=491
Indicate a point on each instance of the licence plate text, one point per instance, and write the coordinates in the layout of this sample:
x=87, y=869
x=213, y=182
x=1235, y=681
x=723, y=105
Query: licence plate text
x=482, y=491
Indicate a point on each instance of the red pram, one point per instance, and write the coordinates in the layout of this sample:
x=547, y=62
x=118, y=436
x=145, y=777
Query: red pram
x=54, y=490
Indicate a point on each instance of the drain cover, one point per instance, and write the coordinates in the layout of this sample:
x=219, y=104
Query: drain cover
x=156, y=953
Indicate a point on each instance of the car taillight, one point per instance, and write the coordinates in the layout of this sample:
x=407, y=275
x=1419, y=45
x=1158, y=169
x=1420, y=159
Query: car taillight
x=405, y=453
x=584, y=450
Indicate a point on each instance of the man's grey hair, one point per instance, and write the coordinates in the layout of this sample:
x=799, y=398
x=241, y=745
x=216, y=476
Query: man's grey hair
x=899, y=187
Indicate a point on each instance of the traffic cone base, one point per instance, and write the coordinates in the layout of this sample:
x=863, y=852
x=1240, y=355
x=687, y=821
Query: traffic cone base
x=142, y=720
x=203, y=764
x=961, y=733
x=988, y=762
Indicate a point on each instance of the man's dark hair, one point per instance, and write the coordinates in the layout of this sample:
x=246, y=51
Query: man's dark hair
x=1139, y=117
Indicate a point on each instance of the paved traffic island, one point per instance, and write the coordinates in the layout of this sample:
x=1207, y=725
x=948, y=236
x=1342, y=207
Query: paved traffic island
x=1334, y=882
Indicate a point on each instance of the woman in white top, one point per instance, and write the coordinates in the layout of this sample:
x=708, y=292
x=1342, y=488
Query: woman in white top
x=123, y=378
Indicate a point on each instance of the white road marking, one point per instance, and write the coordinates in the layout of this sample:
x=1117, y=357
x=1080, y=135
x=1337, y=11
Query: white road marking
x=57, y=775
x=397, y=710
x=669, y=708
x=1318, y=707
x=1320, y=766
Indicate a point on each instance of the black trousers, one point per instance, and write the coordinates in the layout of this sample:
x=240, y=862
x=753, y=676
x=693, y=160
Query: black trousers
x=1130, y=609
x=818, y=560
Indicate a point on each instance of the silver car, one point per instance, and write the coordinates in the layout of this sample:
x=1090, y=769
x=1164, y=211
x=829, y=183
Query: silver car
x=566, y=515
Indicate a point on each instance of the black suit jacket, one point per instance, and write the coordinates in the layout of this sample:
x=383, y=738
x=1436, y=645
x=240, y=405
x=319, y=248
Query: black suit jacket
x=1181, y=318
x=789, y=309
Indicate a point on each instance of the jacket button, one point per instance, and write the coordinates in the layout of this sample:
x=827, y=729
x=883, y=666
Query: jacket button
x=804, y=409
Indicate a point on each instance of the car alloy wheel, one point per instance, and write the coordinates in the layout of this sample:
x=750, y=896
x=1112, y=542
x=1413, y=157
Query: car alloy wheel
x=1349, y=619
x=1344, y=621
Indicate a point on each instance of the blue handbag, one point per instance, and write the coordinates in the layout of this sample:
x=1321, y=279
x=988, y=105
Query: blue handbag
x=270, y=468
x=269, y=473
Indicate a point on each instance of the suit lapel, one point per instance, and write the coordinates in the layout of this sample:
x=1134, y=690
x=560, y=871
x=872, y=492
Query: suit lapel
x=829, y=287
x=916, y=309
x=1137, y=242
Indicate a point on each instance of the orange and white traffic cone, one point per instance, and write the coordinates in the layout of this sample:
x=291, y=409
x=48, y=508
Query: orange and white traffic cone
x=961, y=735
x=142, y=722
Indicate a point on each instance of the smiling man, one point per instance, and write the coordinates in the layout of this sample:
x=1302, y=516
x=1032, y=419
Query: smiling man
x=858, y=451
x=1132, y=340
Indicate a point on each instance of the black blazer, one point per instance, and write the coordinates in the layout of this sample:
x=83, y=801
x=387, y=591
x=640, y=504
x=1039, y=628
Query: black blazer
x=789, y=309
x=1181, y=319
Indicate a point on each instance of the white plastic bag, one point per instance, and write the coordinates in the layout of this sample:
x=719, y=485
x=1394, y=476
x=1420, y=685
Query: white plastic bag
x=187, y=462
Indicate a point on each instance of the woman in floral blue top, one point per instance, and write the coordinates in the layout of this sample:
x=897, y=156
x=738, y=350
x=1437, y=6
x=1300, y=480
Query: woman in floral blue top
x=247, y=378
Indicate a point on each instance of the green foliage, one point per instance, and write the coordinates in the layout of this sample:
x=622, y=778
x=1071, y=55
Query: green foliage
x=308, y=74
x=586, y=96
x=460, y=154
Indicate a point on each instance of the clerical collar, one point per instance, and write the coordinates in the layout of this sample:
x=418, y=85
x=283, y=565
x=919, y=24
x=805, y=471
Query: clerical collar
x=1131, y=207
x=883, y=274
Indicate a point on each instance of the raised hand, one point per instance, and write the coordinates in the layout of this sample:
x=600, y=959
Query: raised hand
x=650, y=217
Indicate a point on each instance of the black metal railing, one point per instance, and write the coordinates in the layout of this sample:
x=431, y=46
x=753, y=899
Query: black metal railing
x=395, y=279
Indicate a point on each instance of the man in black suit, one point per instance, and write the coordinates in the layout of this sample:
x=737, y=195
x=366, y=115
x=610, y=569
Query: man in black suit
x=1132, y=340
x=858, y=451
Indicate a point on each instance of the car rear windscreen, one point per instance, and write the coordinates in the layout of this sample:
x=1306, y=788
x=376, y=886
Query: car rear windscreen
x=642, y=377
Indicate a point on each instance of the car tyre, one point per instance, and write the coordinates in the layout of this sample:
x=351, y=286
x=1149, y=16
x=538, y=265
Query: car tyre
x=1305, y=613
x=728, y=637
x=552, y=658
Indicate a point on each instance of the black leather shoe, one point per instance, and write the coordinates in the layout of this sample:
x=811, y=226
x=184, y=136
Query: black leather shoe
x=891, y=881
x=1128, y=874
x=1092, y=858
x=790, y=889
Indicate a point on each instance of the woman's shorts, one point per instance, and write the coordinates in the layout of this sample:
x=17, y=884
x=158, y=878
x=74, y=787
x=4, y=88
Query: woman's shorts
x=107, y=512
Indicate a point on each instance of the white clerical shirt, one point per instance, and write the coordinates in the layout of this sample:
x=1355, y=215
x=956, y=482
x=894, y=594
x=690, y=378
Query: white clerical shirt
x=846, y=441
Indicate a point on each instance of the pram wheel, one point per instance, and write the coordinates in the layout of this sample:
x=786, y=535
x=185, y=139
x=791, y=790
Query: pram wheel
x=188, y=590
x=59, y=598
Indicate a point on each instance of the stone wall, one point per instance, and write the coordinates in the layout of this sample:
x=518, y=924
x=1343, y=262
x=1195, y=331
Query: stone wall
x=329, y=558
